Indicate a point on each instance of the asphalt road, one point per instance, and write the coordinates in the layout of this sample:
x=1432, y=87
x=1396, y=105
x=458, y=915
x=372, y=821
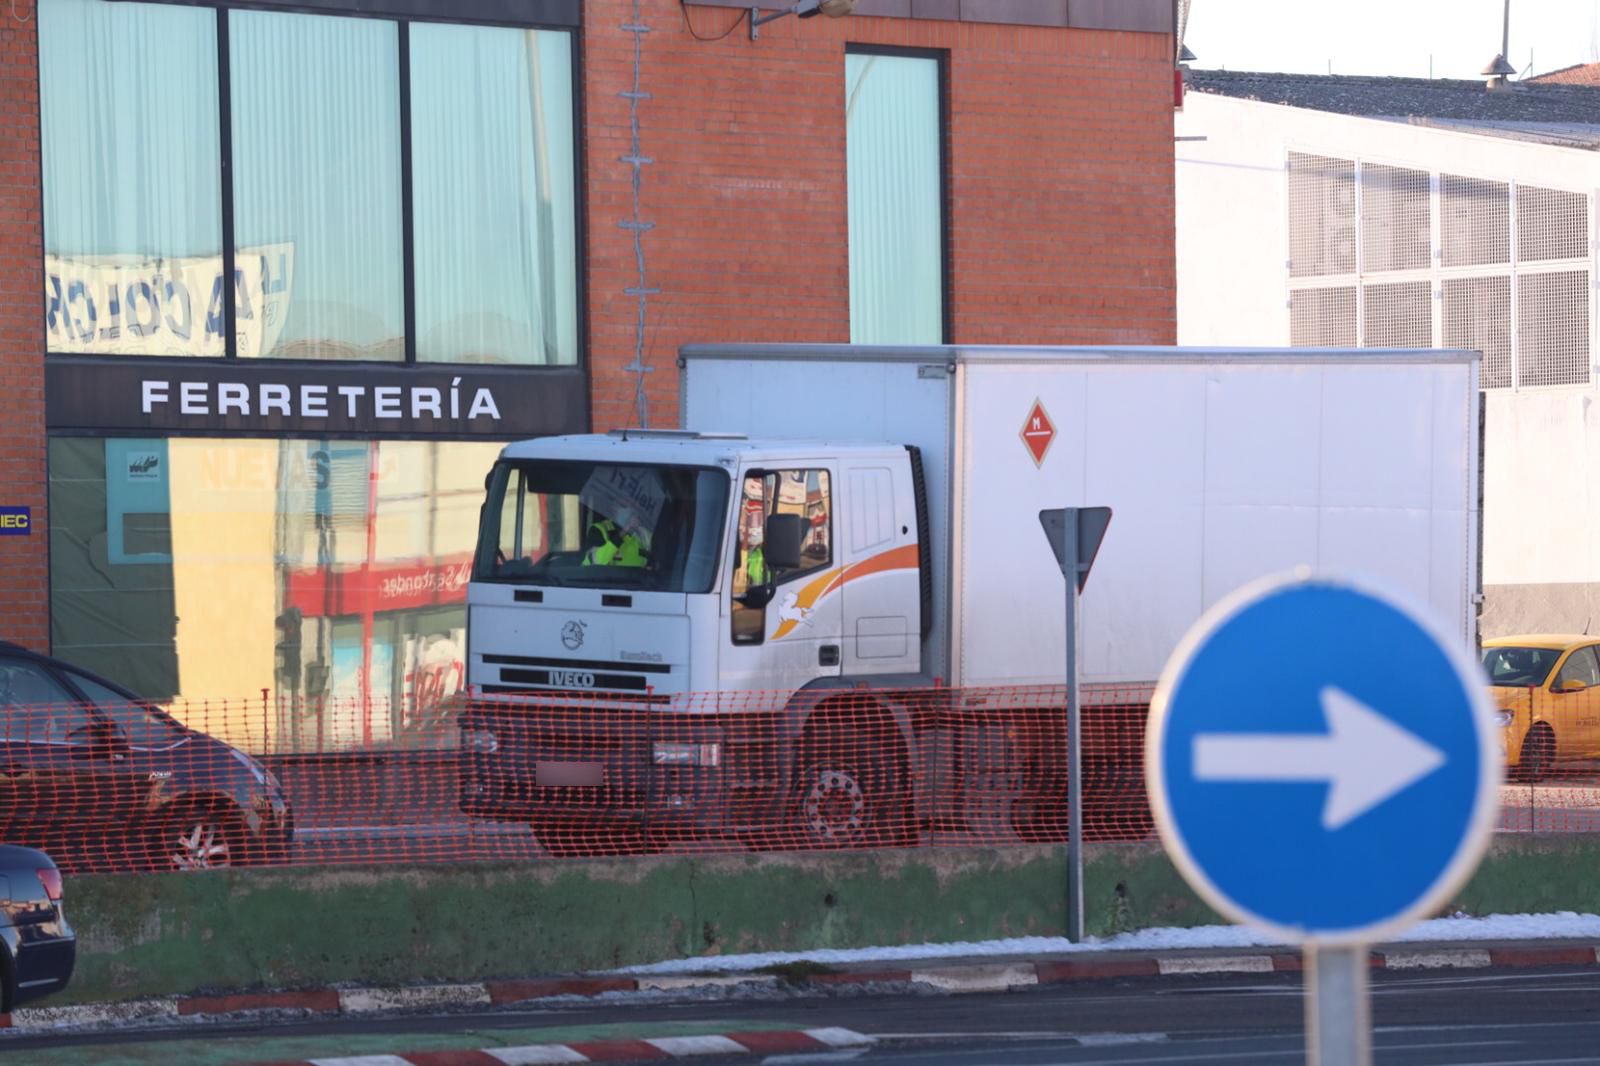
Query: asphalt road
x=1505, y=1016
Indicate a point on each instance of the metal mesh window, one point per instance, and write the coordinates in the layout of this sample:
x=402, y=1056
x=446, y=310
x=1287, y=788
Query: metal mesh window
x=1477, y=315
x=1395, y=219
x=1323, y=318
x=1551, y=224
x=1322, y=215
x=1553, y=328
x=1397, y=316
x=1474, y=221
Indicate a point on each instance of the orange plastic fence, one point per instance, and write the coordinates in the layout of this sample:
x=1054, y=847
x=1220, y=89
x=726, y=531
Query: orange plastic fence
x=495, y=777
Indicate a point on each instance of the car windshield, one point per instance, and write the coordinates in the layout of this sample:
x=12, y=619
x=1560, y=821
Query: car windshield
x=599, y=525
x=1514, y=667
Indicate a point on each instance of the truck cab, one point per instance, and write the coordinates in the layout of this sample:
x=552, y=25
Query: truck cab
x=626, y=583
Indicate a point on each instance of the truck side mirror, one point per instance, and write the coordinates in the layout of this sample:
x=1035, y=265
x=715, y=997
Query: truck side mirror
x=781, y=539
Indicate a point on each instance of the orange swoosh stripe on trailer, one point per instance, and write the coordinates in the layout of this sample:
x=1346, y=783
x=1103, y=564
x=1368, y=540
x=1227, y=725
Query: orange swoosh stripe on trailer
x=902, y=558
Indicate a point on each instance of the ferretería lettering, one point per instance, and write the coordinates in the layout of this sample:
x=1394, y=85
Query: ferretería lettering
x=308, y=401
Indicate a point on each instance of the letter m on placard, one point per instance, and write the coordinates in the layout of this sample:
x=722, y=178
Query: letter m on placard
x=1038, y=432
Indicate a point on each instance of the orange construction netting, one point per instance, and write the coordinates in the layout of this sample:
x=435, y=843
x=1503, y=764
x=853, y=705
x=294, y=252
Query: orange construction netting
x=204, y=784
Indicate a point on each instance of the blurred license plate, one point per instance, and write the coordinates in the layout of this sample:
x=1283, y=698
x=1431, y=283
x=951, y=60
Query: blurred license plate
x=559, y=774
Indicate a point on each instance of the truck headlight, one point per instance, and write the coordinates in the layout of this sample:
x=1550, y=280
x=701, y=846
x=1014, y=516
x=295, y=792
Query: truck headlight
x=1504, y=718
x=480, y=740
x=666, y=753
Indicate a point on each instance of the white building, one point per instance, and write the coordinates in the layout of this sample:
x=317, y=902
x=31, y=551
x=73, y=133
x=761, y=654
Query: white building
x=1319, y=210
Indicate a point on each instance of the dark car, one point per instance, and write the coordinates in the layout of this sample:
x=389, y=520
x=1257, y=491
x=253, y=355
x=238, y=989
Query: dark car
x=37, y=946
x=104, y=780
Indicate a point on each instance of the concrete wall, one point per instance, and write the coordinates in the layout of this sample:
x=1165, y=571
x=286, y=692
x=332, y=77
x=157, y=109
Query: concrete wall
x=299, y=927
x=1542, y=448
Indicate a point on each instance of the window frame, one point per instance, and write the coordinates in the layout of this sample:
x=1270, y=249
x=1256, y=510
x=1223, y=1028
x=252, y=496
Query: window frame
x=562, y=16
x=941, y=57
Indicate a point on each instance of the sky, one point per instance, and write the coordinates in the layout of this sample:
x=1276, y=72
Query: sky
x=1390, y=37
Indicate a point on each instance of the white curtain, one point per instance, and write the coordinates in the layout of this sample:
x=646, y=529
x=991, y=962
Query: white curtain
x=316, y=180
x=132, y=173
x=493, y=195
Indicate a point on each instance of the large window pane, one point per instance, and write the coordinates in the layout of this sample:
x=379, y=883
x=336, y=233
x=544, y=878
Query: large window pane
x=132, y=178
x=331, y=574
x=493, y=199
x=896, y=196
x=316, y=179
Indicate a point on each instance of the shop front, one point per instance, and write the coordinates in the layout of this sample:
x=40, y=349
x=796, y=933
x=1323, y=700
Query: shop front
x=288, y=326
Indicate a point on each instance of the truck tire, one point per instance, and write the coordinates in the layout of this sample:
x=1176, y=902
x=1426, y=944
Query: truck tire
x=853, y=790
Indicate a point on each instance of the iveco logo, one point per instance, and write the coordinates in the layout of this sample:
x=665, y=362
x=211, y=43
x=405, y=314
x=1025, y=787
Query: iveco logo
x=572, y=678
x=572, y=635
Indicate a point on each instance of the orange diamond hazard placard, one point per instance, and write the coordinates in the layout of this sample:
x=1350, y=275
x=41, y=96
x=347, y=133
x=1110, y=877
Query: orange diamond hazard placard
x=1037, y=433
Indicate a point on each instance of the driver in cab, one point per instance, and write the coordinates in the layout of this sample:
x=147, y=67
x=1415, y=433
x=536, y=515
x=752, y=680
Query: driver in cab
x=619, y=541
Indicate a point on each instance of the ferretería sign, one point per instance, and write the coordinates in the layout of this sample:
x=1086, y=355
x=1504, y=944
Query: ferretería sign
x=154, y=395
x=311, y=401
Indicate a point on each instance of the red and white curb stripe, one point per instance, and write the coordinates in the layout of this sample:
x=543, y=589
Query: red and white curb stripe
x=956, y=978
x=777, y=1042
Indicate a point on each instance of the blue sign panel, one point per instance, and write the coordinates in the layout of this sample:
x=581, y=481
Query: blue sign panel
x=16, y=521
x=1322, y=761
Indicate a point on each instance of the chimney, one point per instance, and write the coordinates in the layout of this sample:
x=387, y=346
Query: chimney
x=1498, y=69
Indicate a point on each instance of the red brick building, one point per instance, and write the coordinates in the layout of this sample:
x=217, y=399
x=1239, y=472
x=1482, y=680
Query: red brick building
x=452, y=224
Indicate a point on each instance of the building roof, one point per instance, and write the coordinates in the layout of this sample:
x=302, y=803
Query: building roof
x=1552, y=113
x=1577, y=74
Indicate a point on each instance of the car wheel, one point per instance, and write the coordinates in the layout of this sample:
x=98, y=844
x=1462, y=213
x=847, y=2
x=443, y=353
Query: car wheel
x=196, y=840
x=1538, y=753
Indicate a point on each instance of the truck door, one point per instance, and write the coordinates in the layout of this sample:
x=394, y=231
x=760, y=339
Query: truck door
x=783, y=622
x=881, y=582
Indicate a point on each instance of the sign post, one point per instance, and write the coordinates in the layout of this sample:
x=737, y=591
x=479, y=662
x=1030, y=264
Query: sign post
x=1074, y=534
x=1323, y=763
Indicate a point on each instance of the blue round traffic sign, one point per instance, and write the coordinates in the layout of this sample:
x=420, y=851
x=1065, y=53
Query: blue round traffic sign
x=1322, y=760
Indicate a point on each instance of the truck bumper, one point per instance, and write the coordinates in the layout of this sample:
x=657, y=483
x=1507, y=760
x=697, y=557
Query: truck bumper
x=661, y=773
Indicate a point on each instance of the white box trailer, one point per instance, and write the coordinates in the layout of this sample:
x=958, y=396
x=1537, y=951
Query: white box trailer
x=1220, y=466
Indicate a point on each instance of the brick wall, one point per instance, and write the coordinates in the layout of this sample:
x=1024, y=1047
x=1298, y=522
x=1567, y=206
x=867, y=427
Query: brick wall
x=24, y=580
x=1061, y=185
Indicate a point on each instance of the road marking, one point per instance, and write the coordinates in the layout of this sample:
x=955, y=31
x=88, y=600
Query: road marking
x=995, y=978
x=363, y=1060
x=1217, y=964
x=535, y=1055
x=1364, y=758
x=1435, y=960
x=835, y=1037
x=366, y=1000
x=686, y=1046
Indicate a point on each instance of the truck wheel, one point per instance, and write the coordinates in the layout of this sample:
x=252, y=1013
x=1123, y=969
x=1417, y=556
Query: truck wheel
x=1538, y=753
x=853, y=791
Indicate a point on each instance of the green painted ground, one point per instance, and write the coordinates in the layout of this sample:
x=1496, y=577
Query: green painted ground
x=225, y=1052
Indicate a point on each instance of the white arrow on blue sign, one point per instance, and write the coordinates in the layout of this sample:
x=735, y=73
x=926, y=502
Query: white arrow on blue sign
x=1323, y=761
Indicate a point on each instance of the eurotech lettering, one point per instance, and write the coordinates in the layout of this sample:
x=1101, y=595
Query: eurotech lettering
x=16, y=521
x=315, y=401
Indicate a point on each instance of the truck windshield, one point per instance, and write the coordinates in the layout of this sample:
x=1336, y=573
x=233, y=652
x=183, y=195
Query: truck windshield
x=599, y=525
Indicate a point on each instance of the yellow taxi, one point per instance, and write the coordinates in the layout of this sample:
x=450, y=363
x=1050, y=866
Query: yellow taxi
x=1547, y=689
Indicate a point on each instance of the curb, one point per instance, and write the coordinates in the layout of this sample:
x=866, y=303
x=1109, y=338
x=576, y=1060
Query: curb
x=774, y=1042
x=955, y=978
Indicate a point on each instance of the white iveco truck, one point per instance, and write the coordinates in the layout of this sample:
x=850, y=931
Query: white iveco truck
x=788, y=619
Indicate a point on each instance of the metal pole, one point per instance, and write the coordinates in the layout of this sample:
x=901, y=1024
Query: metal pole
x=1074, y=738
x=1338, y=1007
